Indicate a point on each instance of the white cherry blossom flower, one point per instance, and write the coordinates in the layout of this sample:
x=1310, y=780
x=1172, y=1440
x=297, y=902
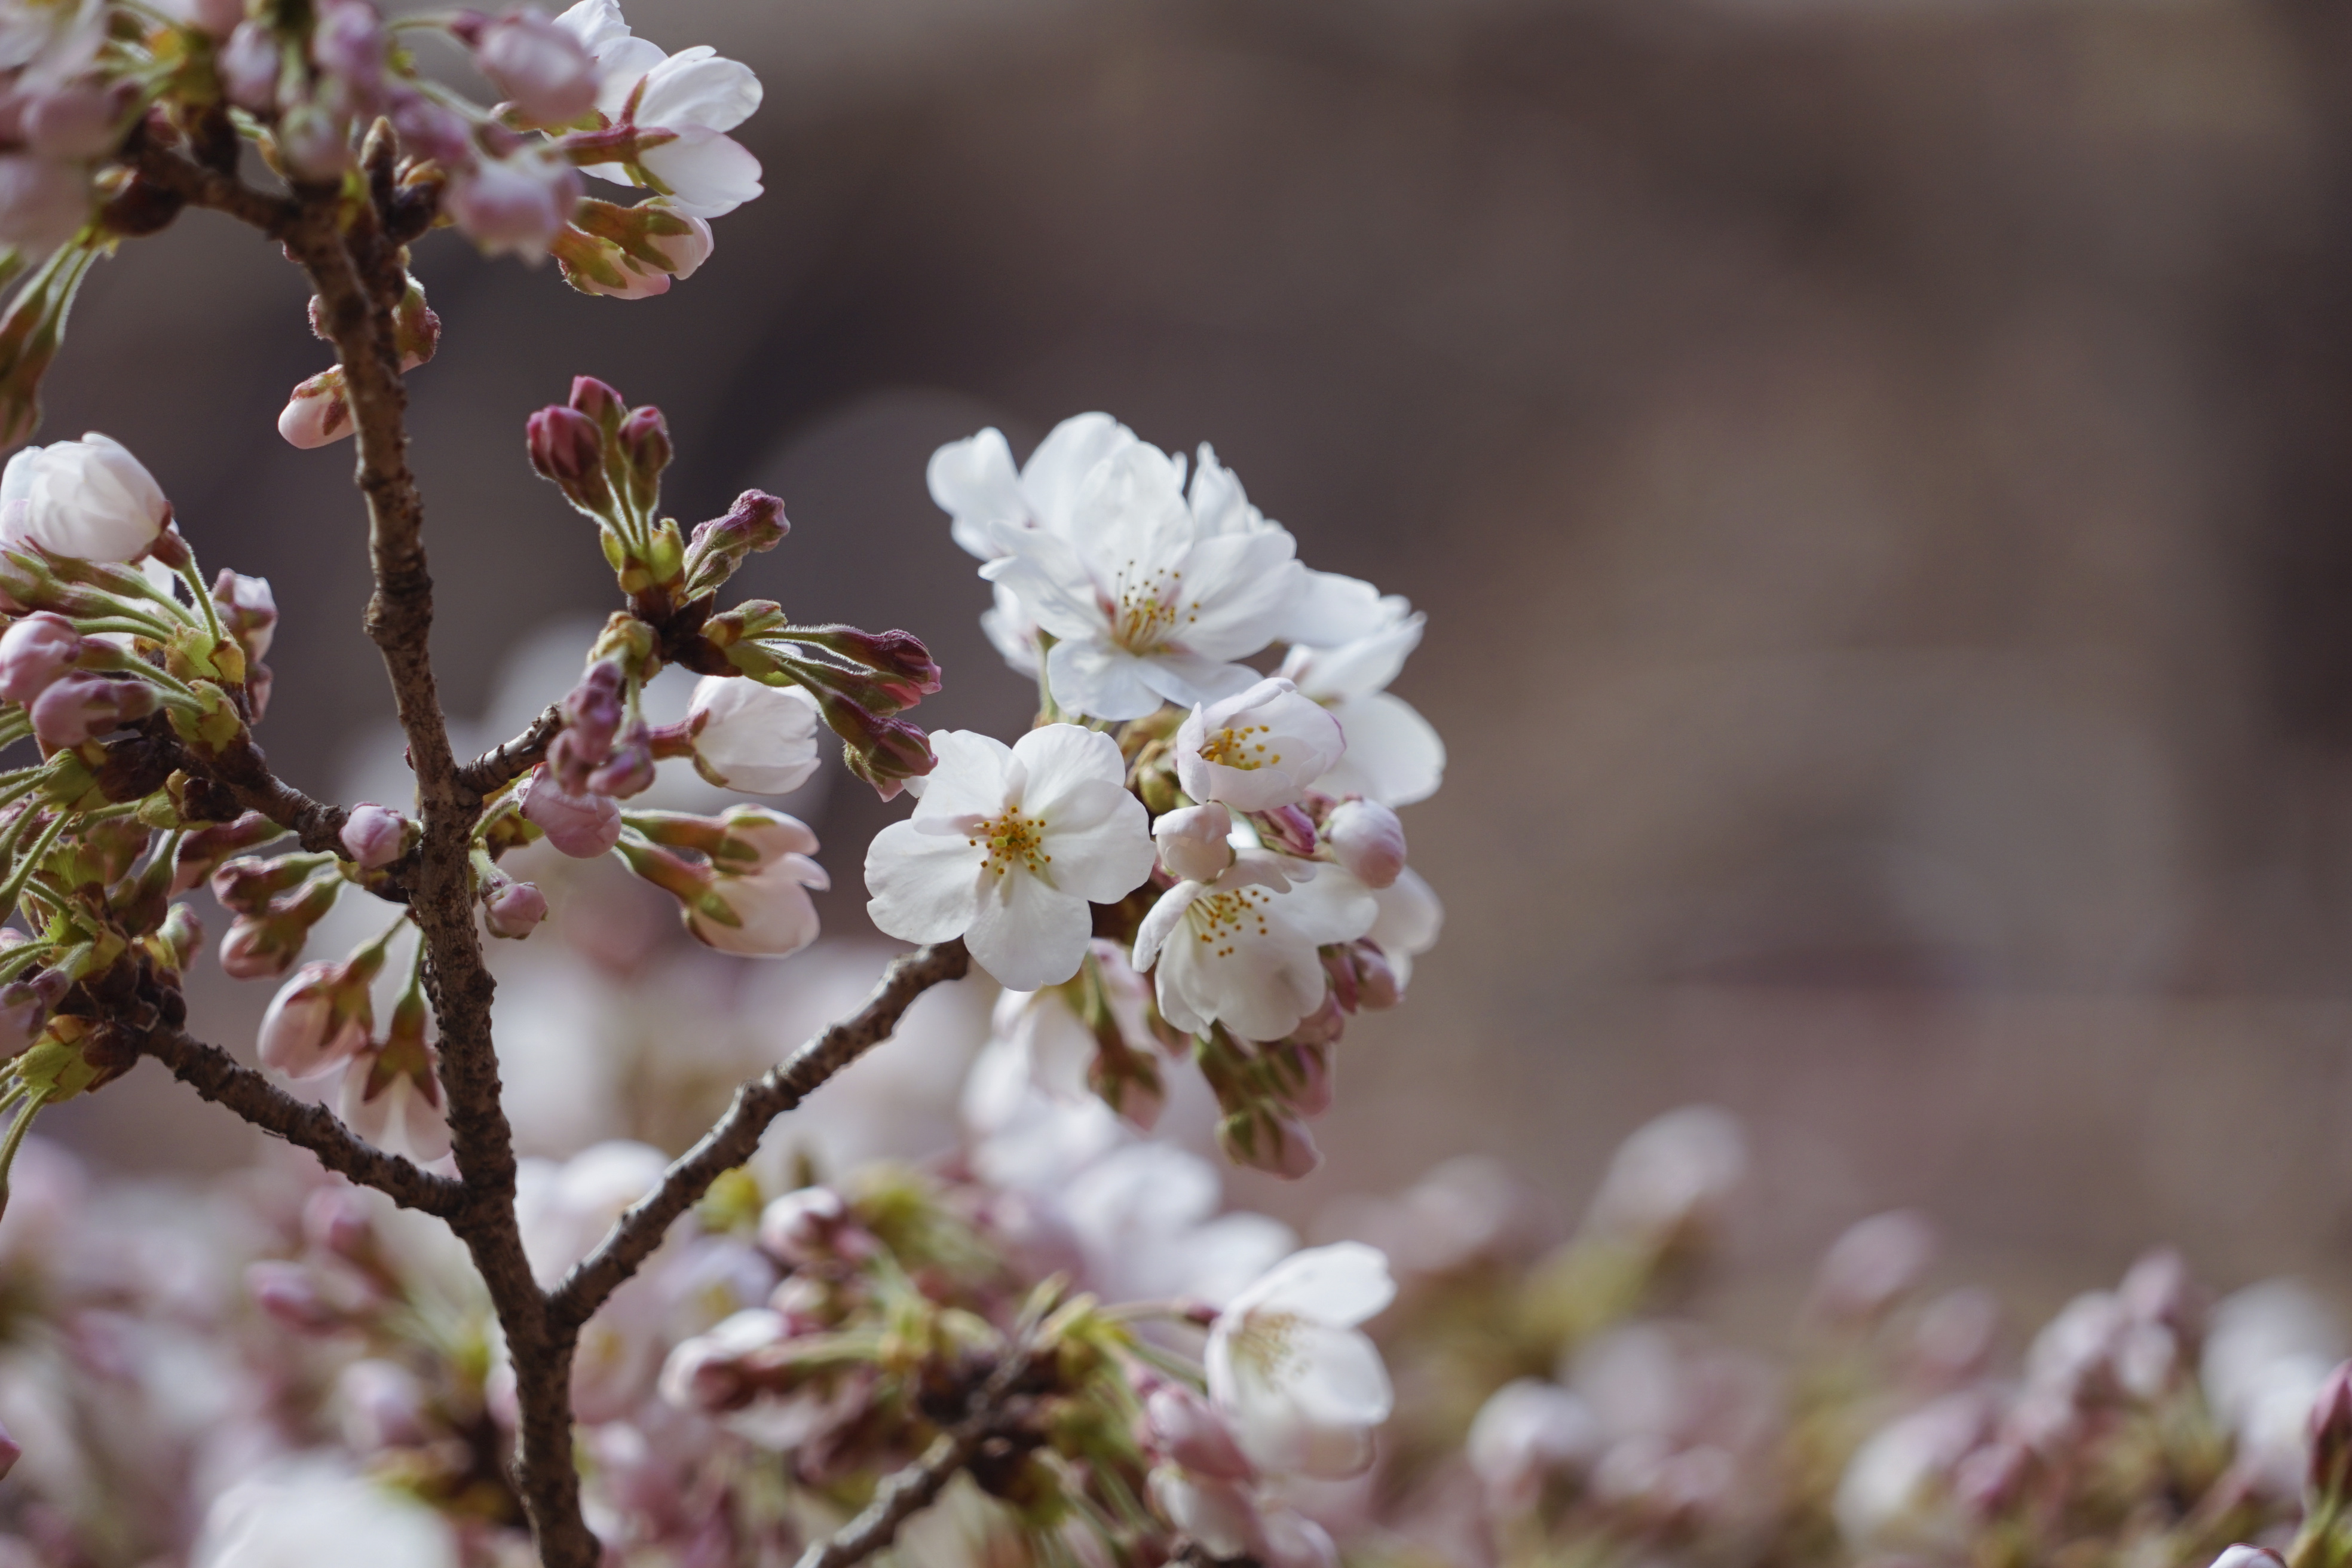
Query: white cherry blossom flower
x=758, y=739
x=1257, y=750
x=1326, y=607
x=88, y=498
x=682, y=105
x=974, y=483
x=775, y=916
x=1394, y=755
x=1143, y=609
x=1007, y=848
x=1145, y=1217
x=1302, y=1389
x=1241, y=951
x=1410, y=919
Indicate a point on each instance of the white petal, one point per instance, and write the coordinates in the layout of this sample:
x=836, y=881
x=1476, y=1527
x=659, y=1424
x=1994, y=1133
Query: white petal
x=1059, y=467
x=1161, y=920
x=974, y=483
x=1342, y=1284
x=924, y=886
x=1053, y=583
x=1394, y=755
x=970, y=781
x=696, y=87
x=1357, y=669
x=709, y=174
x=1027, y=934
x=1101, y=679
x=1236, y=589
x=1327, y=609
x=1059, y=756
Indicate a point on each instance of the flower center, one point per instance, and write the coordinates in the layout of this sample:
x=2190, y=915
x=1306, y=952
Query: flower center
x=1147, y=611
x=1010, y=840
x=1265, y=1344
x=1236, y=747
x=1220, y=919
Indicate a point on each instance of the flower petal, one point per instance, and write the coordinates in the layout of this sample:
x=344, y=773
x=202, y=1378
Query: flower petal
x=924, y=888
x=1028, y=934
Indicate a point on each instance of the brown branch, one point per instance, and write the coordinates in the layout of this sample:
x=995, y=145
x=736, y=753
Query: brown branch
x=494, y=769
x=203, y=188
x=731, y=1141
x=358, y=277
x=242, y=769
x=991, y=1412
x=215, y=1075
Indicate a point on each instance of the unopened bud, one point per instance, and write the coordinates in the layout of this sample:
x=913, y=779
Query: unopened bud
x=33, y=652
x=1369, y=840
x=514, y=910
x=1305, y=1075
x=594, y=709
x=755, y=522
x=375, y=836
x=581, y=826
x=804, y=1227
x=598, y=401
x=568, y=449
x=1873, y=1265
x=644, y=439
x=77, y=707
x=1375, y=983
x=317, y=413
x=288, y=1294
x=1195, y=842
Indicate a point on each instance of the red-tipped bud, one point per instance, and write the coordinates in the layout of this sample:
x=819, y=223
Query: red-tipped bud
x=644, y=439
x=567, y=448
x=2331, y=1439
x=754, y=523
x=598, y=401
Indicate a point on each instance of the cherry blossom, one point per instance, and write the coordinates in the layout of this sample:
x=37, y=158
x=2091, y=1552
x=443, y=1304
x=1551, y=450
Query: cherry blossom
x=1301, y=1387
x=1368, y=841
x=1007, y=848
x=318, y=1020
x=1257, y=750
x=1142, y=608
x=395, y=1106
x=974, y=483
x=1241, y=951
x=678, y=107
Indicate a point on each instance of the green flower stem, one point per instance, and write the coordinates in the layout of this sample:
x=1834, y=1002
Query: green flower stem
x=30, y=861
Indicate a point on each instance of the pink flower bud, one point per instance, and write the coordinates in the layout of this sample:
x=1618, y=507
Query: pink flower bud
x=33, y=652
x=594, y=709
x=249, y=609
x=252, y=951
x=374, y=835
x=567, y=447
x=335, y=1219
x=546, y=71
x=598, y=401
x=249, y=64
x=1278, y=1145
x=317, y=1021
x=581, y=826
x=805, y=1226
x=289, y=1295
x=1307, y=1087
x=314, y=141
x=431, y=131
x=628, y=771
x=43, y=201
x=1376, y=984
x=513, y=205
x=10, y=1452
x=1187, y=1429
x=25, y=1006
x=381, y=1405
x=348, y=41
x=644, y=442
x=1324, y=1026
x=1195, y=842
x=317, y=413
x=514, y=911
x=78, y=121
x=1369, y=840
x=77, y=707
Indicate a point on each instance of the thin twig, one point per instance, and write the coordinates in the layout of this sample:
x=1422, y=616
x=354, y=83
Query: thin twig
x=914, y=1488
x=215, y=1075
x=517, y=757
x=733, y=1139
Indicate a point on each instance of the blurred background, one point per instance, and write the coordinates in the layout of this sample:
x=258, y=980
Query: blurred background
x=1877, y=473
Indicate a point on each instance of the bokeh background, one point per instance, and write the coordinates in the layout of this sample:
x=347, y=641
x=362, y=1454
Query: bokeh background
x=1878, y=474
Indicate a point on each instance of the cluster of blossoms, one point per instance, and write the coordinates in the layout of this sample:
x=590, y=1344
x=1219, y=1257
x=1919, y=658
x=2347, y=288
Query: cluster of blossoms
x=1185, y=853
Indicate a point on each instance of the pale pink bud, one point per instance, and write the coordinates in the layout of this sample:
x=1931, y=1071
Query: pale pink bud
x=804, y=1227
x=348, y=41
x=1375, y=983
x=629, y=770
x=1874, y=1264
x=89, y=498
x=218, y=18
x=249, y=609
x=1307, y=1089
x=374, y=835
x=44, y=202
x=1195, y=842
x=317, y=1021
x=548, y=73
x=758, y=739
x=514, y=911
x=335, y=1219
x=514, y=206
x=431, y=131
x=249, y=65
x=581, y=826
x=10, y=1452
x=35, y=651
x=77, y=707
x=78, y=122
x=1277, y=1144
x=1369, y=840
x=317, y=413
x=25, y=1007
x=289, y=1295
x=1188, y=1430
x=314, y=141
x=594, y=709
x=250, y=951
x=1324, y=1026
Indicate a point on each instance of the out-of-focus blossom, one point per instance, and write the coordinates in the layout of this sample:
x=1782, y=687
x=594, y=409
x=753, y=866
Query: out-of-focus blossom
x=1529, y=1432
x=1301, y=1388
x=1674, y=1177
x=543, y=68
x=1368, y=841
x=513, y=205
x=279, y=1518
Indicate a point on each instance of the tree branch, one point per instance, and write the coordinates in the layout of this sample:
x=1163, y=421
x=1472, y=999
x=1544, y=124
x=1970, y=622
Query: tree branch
x=215, y=1075
x=494, y=769
x=731, y=1141
x=202, y=187
x=914, y=1488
